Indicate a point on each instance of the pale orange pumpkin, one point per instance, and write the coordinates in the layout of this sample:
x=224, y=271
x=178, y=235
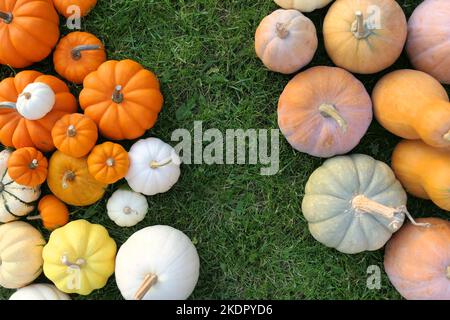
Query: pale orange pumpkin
x=413, y=105
x=417, y=260
x=324, y=111
x=424, y=171
x=364, y=36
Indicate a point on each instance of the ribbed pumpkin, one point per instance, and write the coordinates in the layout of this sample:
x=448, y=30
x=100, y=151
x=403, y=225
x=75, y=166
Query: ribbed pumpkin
x=108, y=162
x=75, y=135
x=123, y=99
x=17, y=131
x=28, y=167
x=413, y=105
x=324, y=111
x=63, y=6
x=417, y=260
x=77, y=55
x=69, y=180
x=364, y=36
x=424, y=171
x=29, y=30
x=303, y=5
x=52, y=212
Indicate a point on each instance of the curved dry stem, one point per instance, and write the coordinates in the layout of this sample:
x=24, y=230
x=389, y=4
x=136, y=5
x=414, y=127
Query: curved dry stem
x=147, y=284
x=8, y=105
x=155, y=164
x=329, y=111
x=67, y=177
x=76, y=52
x=33, y=218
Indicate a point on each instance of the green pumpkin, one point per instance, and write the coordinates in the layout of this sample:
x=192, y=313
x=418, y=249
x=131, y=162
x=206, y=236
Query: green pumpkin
x=354, y=204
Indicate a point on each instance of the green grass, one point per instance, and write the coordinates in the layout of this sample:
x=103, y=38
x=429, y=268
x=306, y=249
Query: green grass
x=249, y=231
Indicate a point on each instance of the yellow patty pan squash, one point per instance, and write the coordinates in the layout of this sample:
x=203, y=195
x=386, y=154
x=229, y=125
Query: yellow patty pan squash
x=79, y=257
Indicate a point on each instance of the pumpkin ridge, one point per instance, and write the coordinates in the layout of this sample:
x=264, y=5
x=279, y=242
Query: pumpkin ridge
x=41, y=40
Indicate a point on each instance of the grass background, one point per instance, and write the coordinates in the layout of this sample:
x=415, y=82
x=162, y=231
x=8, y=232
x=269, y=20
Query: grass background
x=249, y=231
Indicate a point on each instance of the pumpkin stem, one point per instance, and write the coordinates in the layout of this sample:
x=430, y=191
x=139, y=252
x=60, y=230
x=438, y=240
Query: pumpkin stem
x=329, y=111
x=32, y=218
x=117, y=96
x=7, y=17
x=76, y=52
x=146, y=285
x=34, y=164
x=27, y=95
x=65, y=260
x=155, y=164
x=447, y=136
x=67, y=177
x=128, y=210
x=359, y=28
x=411, y=219
x=8, y=105
x=71, y=131
x=110, y=162
x=282, y=31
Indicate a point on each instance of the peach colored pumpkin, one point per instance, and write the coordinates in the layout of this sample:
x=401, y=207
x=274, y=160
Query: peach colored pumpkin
x=286, y=41
x=364, y=36
x=428, y=43
x=324, y=111
x=303, y=5
x=413, y=105
x=417, y=260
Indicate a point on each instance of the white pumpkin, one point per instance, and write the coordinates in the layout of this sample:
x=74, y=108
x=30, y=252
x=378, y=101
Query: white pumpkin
x=35, y=101
x=303, y=5
x=15, y=200
x=154, y=167
x=20, y=254
x=39, y=291
x=157, y=263
x=127, y=208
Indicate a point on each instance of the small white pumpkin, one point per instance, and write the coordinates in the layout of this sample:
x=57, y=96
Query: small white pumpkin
x=15, y=200
x=39, y=291
x=303, y=5
x=20, y=254
x=35, y=101
x=127, y=208
x=154, y=167
x=157, y=263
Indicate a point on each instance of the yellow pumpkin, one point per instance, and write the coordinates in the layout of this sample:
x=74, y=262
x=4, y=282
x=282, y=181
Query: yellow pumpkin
x=70, y=181
x=79, y=257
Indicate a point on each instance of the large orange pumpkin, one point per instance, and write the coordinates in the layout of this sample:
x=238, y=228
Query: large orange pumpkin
x=18, y=132
x=123, y=98
x=29, y=30
x=417, y=260
x=77, y=55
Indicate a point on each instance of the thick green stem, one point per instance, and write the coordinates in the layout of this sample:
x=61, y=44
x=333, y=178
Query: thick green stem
x=76, y=52
x=329, y=111
x=7, y=17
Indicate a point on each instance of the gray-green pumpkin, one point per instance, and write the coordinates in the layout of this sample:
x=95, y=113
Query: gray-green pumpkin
x=354, y=203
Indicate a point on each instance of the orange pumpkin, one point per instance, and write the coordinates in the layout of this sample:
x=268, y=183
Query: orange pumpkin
x=75, y=135
x=77, y=55
x=424, y=171
x=65, y=7
x=18, y=132
x=123, y=99
x=70, y=181
x=108, y=162
x=417, y=260
x=28, y=167
x=29, y=30
x=52, y=212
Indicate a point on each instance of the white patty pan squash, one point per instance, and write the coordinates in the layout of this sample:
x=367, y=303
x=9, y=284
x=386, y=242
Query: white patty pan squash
x=157, y=263
x=127, y=208
x=154, y=167
x=20, y=254
x=15, y=200
x=354, y=204
x=39, y=291
x=303, y=5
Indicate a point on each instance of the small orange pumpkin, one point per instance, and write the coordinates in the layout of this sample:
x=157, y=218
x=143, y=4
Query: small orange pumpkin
x=123, y=98
x=53, y=213
x=75, y=135
x=28, y=167
x=77, y=55
x=66, y=7
x=108, y=162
